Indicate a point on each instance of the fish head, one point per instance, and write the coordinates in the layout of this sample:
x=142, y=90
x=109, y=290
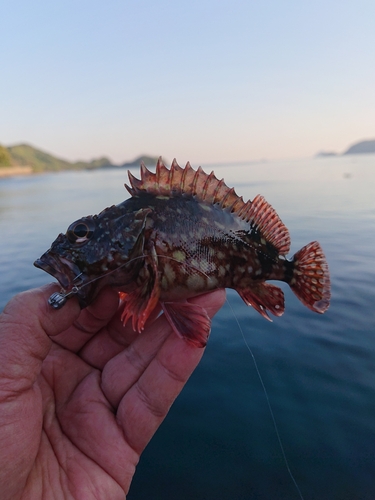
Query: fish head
x=98, y=250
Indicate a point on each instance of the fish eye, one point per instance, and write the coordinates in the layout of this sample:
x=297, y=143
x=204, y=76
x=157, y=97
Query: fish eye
x=80, y=231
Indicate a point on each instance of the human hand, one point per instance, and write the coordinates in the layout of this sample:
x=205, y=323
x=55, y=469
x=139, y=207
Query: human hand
x=81, y=395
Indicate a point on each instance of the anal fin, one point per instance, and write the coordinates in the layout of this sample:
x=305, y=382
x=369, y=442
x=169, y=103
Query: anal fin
x=189, y=321
x=264, y=297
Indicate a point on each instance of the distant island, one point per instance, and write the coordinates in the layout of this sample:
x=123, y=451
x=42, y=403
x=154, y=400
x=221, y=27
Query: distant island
x=25, y=159
x=362, y=147
x=326, y=153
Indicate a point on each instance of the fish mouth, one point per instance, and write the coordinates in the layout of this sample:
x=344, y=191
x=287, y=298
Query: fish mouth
x=66, y=272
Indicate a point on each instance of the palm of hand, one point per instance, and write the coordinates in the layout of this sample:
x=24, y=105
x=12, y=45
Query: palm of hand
x=79, y=417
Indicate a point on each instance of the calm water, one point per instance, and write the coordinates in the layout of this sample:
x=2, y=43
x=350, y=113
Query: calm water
x=218, y=441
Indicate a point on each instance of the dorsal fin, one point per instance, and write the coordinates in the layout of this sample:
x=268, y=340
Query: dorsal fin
x=207, y=188
x=264, y=217
x=178, y=181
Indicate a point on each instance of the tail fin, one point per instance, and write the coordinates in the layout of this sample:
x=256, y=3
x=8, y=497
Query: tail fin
x=310, y=280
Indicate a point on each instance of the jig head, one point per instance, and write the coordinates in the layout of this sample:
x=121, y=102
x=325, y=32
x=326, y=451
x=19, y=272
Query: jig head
x=58, y=299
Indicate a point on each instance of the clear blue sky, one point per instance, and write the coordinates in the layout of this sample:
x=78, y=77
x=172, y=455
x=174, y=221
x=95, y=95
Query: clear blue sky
x=200, y=80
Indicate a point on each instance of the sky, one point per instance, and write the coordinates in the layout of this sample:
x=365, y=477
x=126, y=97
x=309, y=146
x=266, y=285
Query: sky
x=200, y=80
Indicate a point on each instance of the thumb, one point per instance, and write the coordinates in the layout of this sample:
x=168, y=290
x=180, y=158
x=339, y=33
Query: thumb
x=26, y=325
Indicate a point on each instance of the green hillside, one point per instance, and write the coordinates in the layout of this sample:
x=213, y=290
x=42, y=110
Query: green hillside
x=40, y=161
x=5, y=158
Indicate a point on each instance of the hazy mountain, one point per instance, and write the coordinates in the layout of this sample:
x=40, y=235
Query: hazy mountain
x=326, y=153
x=363, y=147
x=149, y=161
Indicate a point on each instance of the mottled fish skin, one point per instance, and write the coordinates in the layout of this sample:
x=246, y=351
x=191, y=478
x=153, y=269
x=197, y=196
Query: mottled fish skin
x=201, y=247
x=183, y=233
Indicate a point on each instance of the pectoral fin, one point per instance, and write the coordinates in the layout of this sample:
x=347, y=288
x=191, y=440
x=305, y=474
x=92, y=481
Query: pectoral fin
x=140, y=303
x=189, y=321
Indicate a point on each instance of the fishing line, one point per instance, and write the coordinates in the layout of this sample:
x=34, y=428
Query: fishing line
x=57, y=300
x=78, y=287
x=256, y=369
x=268, y=403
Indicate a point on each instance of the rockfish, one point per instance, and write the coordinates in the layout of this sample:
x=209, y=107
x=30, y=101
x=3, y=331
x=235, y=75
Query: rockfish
x=180, y=234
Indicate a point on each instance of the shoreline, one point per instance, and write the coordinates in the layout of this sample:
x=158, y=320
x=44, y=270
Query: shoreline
x=14, y=171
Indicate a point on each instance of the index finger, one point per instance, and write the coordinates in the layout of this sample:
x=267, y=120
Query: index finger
x=27, y=325
x=90, y=321
x=144, y=391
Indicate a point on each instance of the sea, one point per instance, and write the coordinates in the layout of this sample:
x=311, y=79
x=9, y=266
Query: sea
x=219, y=440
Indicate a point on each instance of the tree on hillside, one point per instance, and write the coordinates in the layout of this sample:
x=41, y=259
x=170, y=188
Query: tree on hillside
x=5, y=160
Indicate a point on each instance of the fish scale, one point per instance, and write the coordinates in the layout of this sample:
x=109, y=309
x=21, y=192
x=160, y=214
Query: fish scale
x=182, y=233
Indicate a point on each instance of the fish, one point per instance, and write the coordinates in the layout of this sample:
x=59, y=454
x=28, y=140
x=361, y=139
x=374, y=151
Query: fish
x=183, y=233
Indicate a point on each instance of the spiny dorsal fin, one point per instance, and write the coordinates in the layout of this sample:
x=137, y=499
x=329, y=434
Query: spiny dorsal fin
x=209, y=189
x=261, y=214
x=178, y=181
